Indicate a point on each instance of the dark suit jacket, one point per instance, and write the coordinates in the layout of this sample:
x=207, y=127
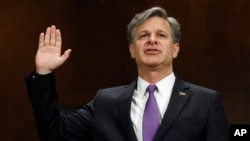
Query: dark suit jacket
x=194, y=114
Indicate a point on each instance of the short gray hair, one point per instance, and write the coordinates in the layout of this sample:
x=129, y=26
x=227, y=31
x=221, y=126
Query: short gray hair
x=154, y=11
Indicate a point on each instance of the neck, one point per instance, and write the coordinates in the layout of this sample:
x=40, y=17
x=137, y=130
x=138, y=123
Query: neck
x=152, y=75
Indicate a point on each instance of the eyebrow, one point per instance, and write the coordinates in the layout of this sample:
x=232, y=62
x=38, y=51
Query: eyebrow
x=162, y=31
x=159, y=30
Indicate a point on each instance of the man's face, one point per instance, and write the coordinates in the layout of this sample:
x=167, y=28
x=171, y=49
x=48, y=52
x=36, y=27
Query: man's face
x=153, y=44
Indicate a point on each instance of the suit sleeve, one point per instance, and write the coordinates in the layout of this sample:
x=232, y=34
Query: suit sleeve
x=51, y=123
x=217, y=123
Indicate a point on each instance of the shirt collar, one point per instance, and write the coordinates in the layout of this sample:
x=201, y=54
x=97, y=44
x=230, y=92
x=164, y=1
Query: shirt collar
x=164, y=85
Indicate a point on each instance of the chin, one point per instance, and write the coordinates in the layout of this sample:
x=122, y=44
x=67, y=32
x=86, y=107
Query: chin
x=152, y=65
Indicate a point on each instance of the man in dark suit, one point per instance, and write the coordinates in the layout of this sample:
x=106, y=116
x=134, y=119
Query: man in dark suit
x=157, y=106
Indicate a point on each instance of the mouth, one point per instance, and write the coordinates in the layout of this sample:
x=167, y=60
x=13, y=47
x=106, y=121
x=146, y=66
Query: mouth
x=152, y=51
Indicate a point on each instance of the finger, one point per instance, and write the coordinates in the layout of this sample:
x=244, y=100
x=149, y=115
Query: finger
x=47, y=37
x=58, y=38
x=66, y=54
x=52, y=41
x=41, y=40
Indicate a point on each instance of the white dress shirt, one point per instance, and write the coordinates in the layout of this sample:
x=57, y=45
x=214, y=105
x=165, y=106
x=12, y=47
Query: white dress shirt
x=140, y=96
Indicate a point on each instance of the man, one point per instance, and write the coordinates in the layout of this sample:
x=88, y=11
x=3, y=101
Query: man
x=157, y=106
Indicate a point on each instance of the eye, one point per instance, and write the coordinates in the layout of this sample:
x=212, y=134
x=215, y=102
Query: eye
x=143, y=36
x=162, y=35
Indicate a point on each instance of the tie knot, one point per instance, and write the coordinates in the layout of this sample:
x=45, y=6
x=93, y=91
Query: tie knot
x=151, y=88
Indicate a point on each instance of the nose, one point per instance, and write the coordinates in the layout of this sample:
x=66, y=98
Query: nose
x=152, y=39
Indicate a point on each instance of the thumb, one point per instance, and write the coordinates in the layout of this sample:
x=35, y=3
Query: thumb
x=66, y=54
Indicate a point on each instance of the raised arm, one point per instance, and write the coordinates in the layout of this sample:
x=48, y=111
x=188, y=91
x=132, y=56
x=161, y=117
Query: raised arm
x=51, y=123
x=49, y=56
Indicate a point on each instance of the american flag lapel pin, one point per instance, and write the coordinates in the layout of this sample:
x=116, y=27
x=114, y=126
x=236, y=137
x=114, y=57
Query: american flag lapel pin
x=182, y=94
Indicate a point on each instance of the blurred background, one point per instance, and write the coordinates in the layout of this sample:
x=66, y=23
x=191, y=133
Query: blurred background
x=215, y=52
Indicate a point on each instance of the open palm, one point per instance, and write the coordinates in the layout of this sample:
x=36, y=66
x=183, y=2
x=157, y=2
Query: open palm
x=48, y=56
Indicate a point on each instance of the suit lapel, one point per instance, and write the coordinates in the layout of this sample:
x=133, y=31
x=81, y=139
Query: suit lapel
x=124, y=105
x=179, y=98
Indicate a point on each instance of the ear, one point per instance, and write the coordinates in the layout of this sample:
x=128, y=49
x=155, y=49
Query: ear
x=176, y=50
x=132, y=50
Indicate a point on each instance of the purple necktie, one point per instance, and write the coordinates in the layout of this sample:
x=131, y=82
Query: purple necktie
x=151, y=116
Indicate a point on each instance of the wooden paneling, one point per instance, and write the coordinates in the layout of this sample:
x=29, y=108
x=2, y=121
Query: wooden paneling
x=214, y=52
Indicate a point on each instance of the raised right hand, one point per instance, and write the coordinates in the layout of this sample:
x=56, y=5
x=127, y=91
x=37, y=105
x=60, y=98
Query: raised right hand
x=48, y=56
